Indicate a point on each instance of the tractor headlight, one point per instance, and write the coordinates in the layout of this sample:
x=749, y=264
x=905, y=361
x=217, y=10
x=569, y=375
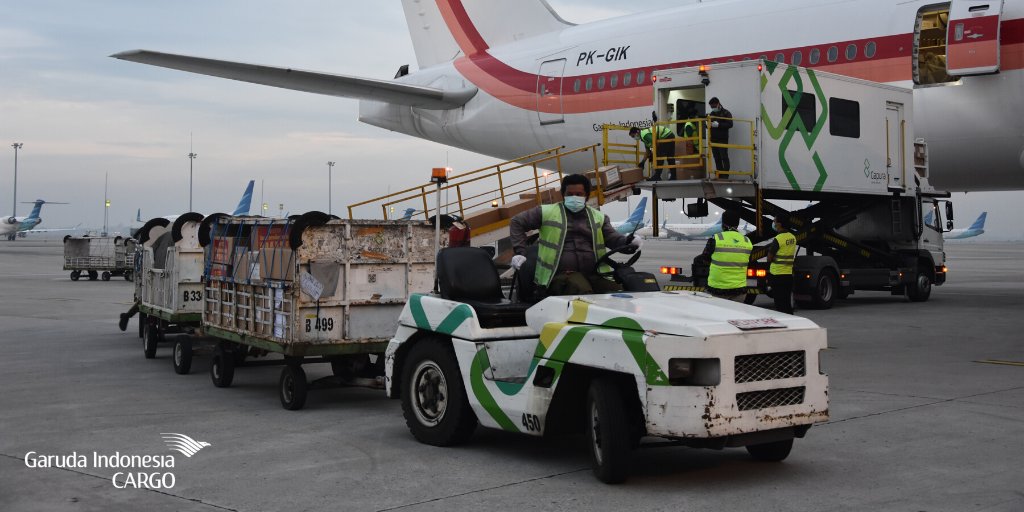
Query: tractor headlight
x=694, y=372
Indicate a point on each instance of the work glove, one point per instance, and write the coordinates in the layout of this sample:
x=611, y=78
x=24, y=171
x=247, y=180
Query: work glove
x=714, y=124
x=517, y=261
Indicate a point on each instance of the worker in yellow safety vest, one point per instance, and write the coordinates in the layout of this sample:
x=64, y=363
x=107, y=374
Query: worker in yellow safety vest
x=729, y=253
x=666, y=149
x=781, y=255
x=573, y=238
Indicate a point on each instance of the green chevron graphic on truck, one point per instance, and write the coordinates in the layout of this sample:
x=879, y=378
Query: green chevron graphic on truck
x=791, y=86
x=559, y=345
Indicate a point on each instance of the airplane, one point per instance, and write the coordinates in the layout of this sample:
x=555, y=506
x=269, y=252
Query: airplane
x=242, y=209
x=635, y=221
x=12, y=227
x=685, y=231
x=510, y=77
x=977, y=228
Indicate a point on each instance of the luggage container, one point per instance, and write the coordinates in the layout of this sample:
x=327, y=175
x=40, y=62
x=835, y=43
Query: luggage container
x=311, y=289
x=97, y=257
x=169, y=288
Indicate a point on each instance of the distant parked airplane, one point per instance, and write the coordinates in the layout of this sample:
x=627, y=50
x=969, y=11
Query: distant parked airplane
x=242, y=209
x=635, y=221
x=974, y=230
x=20, y=226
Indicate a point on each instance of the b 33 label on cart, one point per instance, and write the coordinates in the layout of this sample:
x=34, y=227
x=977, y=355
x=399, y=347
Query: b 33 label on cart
x=192, y=296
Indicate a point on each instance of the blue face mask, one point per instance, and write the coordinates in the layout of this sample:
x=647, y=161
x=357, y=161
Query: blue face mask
x=575, y=204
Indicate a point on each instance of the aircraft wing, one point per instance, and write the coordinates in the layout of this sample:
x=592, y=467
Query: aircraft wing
x=386, y=91
x=49, y=230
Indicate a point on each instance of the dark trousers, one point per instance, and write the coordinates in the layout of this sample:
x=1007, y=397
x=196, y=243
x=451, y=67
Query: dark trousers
x=721, y=158
x=782, y=292
x=667, y=156
x=578, y=283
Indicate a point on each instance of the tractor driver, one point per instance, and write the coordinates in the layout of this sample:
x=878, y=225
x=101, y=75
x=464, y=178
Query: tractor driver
x=573, y=237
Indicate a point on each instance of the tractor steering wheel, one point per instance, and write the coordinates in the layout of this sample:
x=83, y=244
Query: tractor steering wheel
x=607, y=260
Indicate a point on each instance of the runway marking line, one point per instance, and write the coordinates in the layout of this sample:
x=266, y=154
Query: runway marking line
x=1001, y=362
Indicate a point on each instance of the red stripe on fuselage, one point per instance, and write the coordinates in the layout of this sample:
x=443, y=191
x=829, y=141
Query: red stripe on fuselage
x=890, y=62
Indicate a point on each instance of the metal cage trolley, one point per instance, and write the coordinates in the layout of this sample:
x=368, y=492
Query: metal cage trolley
x=96, y=257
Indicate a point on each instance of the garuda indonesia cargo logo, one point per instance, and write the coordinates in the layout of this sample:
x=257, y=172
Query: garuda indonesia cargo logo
x=183, y=444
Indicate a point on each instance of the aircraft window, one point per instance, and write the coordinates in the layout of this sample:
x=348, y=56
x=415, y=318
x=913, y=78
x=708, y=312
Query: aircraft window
x=614, y=81
x=576, y=85
x=870, y=49
x=590, y=83
x=627, y=79
x=807, y=108
x=746, y=58
x=640, y=77
x=780, y=57
x=814, y=56
x=764, y=57
x=798, y=57
x=731, y=60
x=851, y=52
x=844, y=118
x=600, y=83
x=833, y=53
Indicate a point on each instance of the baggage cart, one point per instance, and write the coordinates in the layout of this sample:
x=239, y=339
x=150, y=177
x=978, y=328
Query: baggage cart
x=168, y=288
x=312, y=289
x=96, y=257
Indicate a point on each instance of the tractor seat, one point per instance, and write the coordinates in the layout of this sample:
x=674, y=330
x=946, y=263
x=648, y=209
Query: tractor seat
x=468, y=275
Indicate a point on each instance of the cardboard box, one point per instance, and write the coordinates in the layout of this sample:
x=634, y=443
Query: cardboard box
x=509, y=210
x=269, y=237
x=246, y=267
x=631, y=176
x=484, y=217
x=547, y=195
x=609, y=176
x=277, y=264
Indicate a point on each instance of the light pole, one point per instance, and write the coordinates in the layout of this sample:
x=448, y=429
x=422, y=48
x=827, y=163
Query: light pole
x=191, y=157
x=16, y=146
x=330, y=167
x=106, y=204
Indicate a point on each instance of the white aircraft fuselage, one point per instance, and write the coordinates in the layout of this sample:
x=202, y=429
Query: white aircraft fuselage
x=600, y=72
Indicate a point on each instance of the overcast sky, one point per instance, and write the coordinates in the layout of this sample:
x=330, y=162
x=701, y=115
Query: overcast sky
x=81, y=114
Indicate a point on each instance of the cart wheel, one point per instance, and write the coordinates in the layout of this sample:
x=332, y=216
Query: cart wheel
x=105, y=276
x=750, y=298
x=434, y=401
x=93, y=275
x=222, y=367
x=128, y=275
x=182, y=359
x=150, y=339
x=771, y=452
x=75, y=275
x=608, y=431
x=292, y=387
x=142, y=324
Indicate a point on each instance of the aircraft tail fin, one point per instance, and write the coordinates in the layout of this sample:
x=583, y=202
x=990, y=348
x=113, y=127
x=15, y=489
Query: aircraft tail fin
x=979, y=224
x=138, y=215
x=36, y=209
x=441, y=29
x=246, y=201
x=637, y=217
x=409, y=212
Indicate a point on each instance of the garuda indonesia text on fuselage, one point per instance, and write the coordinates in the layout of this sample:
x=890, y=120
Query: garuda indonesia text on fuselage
x=510, y=77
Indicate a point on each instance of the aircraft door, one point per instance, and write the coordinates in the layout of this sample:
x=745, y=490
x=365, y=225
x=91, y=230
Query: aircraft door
x=972, y=38
x=549, y=92
x=895, y=152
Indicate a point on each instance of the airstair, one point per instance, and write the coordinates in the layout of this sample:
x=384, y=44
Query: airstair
x=487, y=198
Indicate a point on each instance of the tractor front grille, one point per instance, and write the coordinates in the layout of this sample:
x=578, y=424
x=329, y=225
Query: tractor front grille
x=775, y=366
x=770, y=398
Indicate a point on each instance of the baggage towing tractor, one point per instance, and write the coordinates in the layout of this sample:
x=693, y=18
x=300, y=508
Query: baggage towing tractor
x=683, y=366
x=841, y=149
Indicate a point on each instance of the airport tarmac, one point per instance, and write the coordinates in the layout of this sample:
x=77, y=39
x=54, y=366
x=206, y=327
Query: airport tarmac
x=922, y=417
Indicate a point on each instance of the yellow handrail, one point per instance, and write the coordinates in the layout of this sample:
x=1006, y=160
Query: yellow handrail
x=701, y=158
x=471, y=190
x=612, y=150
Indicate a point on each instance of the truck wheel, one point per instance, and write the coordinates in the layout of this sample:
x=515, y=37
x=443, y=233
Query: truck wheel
x=222, y=367
x=240, y=352
x=75, y=274
x=825, y=290
x=128, y=276
x=93, y=275
x=142, y=325
x=608, y=431
x=182, y=359
x=292, y=387
x=434, y=401
x=750, y=298
x=921, y=288
x=105, y=276
x=150, y=339
x=771, y=452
